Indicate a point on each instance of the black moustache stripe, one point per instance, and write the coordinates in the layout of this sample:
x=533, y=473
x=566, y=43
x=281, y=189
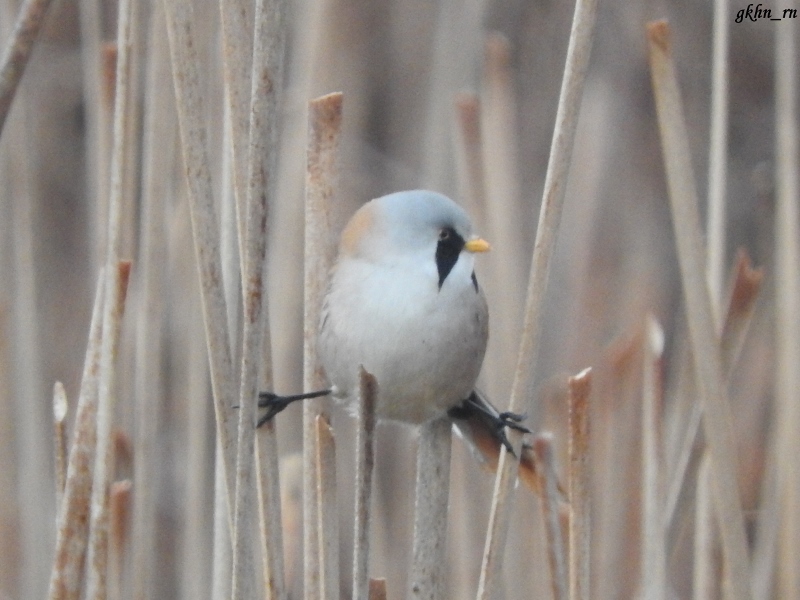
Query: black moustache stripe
x=447, y=251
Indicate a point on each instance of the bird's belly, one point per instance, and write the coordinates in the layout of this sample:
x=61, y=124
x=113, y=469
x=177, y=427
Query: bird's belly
x=425, y=358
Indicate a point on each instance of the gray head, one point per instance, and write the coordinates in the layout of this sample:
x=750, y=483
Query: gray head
x=407, y=224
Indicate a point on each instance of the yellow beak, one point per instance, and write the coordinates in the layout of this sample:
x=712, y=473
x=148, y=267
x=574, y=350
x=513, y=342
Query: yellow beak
x=477, y=245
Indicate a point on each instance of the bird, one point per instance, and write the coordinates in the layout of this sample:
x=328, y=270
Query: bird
x=403, y=301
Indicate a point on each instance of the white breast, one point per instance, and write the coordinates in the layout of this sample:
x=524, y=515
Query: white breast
x=424, y=345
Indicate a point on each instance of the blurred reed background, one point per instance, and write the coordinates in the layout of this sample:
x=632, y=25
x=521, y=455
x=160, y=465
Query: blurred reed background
x=459, y=97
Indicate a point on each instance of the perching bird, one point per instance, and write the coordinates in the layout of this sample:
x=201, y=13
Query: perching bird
x=404, y=302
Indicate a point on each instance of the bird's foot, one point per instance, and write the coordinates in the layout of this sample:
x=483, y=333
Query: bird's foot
x=275, y=403
x=512, y=421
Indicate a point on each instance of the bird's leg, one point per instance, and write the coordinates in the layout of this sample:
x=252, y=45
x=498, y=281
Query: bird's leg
x=275, y=403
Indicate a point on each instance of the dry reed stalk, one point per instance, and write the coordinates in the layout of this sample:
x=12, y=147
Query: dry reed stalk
x=270, y=520
x=222, y=550
x=653, y=565
x=269, y=492
x=267, y=73
x=133, y=124
x=787, y=309
x=708, y=369
x=191, y=115
x=704, y=575
x=579, y=478
x=768, y=527
x=377, y=589
x=718, y=156
x=577, y=63
x=745, y=285
x=550, y=501
x=106, y=66
x=18, y=51
x=118, y=530
x=324, y=127
x=428, y=577
x=73, y=513
x=237, y=59
x=117, y=273
x=113, y=310
x=60, y=408
x=328, y=525
x=196, y=552
x=148, y=387
x=365, y=466
x=232, y=285
x=229, y=244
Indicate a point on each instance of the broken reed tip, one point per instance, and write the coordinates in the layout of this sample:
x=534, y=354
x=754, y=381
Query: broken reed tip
x=467, y=102
x=59, y=402
x=468, y=109
x=369, y=385
x=655, y=336
x=658, y=34
x=543, y=444
x=322, y=423
x=332, y=97
x=746, y=283
x=124, y=270
x=120, y=494
x=377, y=589
x=327, y=108
x=498, y=49
x=580, y=384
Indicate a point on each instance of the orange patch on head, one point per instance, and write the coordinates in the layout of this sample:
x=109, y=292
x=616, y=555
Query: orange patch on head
x=356, y=229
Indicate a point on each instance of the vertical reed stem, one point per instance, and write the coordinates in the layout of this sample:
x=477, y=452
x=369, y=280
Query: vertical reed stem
x=787, y=284
x=324, y=126
x=428, y=561
x=328, y=526
x=365, y=464
x=580, y=520
x=543, y=449
x=654, y=574
x=60, y=440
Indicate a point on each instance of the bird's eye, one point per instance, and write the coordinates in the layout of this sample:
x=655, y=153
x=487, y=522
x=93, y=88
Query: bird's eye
x=444, y=234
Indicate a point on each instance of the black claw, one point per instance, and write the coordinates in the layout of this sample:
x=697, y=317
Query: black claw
x=513, y=420
x=510, y=420
x=501, y=433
